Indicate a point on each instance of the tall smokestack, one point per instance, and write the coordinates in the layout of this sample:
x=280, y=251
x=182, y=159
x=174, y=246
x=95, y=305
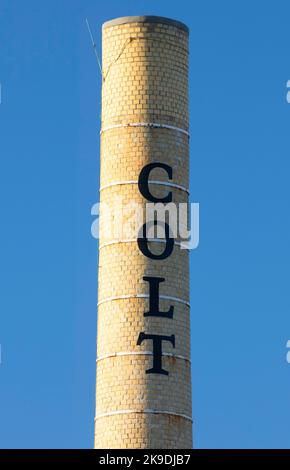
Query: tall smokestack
x=143, y=393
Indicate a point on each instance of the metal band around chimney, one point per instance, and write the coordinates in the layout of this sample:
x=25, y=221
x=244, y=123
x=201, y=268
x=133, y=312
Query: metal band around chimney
x=143, y=296
x=162, y=183
x=150, y=125
x=156, y=412
x=134, y=240
x=142, y=353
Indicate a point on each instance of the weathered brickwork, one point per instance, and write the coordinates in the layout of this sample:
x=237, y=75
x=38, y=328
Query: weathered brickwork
x=145, y=70
x=125, y=151
x=141, y=431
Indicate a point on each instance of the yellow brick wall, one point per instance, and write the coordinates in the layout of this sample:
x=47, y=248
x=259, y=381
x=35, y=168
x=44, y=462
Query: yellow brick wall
x=145, y=69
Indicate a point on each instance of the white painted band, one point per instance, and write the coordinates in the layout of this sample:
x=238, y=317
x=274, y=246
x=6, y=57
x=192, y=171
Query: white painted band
x=155, y=412
x=146, y=124
x=141, y=353
x=162, y=183
x=134, y=240
x=144, y=296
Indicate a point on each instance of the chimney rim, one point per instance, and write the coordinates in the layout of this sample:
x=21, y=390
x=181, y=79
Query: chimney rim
x=145, y=19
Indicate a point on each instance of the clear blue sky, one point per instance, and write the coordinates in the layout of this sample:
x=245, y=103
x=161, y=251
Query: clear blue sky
x=240, y=169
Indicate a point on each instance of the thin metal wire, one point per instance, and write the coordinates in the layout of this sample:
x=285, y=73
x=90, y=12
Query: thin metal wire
x=128, y=41
x=94, y=47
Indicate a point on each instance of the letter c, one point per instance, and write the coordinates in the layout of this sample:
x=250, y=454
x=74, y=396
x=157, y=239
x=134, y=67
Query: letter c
x=143, y=182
